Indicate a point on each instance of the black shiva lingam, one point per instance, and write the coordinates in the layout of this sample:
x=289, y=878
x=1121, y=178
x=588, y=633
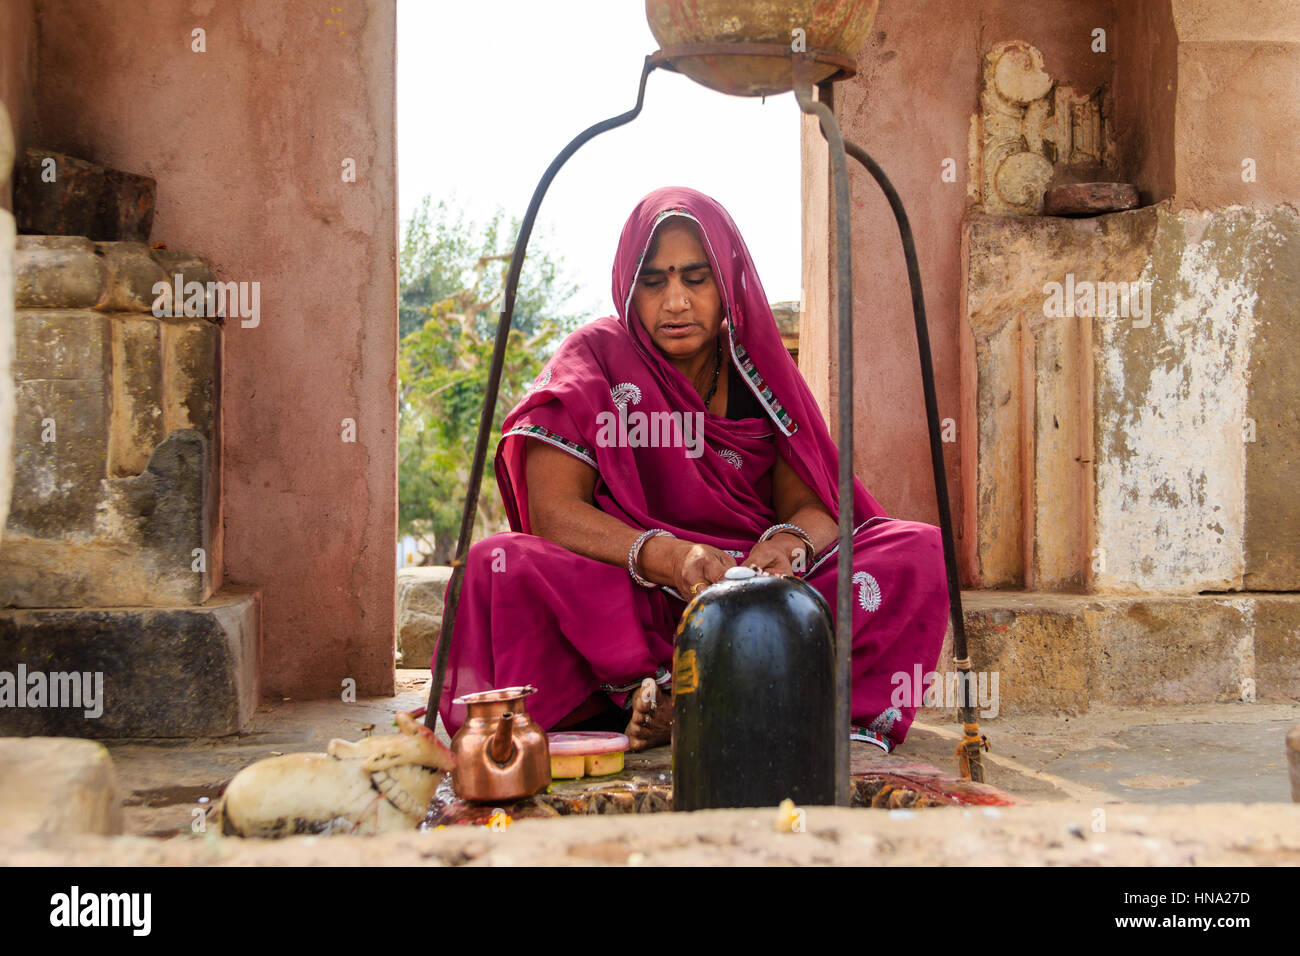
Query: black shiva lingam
x=765, y=48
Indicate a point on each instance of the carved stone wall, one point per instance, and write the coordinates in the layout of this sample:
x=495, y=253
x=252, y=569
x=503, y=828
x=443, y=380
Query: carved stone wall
x=1147, y=451
x=1030, y=131
x=115, y=490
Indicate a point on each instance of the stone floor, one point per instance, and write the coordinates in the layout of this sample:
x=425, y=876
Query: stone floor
x=1231, y=756
x=1057, y=834
x=1204, y=753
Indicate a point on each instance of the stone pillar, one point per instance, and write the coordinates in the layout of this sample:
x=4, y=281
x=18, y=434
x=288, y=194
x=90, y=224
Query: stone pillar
x=115, y=475
x=7, y=236
x=1128, y=411
x=274, y=151
x=1133, y=377
x=110, y=622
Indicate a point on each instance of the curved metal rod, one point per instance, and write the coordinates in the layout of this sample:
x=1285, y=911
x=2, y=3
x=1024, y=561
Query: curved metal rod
x=966, y=706
x=844, y=282
x=494, y=385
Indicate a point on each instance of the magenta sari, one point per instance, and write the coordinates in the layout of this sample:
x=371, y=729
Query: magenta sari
x=532, y=612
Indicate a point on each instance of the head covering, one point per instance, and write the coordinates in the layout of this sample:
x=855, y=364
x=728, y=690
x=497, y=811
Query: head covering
x=721, y=496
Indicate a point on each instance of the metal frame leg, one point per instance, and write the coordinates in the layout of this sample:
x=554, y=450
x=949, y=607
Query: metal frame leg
x=494, y=386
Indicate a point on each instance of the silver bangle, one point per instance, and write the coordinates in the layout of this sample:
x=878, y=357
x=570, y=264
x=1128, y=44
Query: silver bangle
x=635, y=552
x=793, y=529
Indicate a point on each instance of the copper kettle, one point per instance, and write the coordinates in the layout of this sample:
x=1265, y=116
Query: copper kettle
x=501, y=753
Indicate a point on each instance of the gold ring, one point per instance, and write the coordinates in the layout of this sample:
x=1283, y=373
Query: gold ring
x=695, y=588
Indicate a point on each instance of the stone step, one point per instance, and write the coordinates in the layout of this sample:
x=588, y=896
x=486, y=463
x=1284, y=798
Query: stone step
x=55, y=785
x=419, y=613
x=131, y=671
x=1048, y=653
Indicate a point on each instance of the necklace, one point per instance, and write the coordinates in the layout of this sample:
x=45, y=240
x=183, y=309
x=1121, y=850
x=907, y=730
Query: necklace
x=717, y=369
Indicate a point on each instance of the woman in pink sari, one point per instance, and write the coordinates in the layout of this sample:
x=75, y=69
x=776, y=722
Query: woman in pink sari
x=656, y=449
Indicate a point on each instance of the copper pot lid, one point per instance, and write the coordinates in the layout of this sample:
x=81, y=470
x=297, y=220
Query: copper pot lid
x=496, y=696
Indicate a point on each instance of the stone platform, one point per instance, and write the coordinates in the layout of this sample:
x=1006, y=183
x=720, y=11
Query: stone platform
x=1110, y=787
x=1050, y=835
x=133, y=671
x=1202, y=753
x=1066, y=653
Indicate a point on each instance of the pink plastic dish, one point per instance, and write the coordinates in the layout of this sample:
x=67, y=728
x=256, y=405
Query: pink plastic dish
x=574, y=743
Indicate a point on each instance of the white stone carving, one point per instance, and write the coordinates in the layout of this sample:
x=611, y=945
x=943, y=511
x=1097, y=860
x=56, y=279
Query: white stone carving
x=1027, y=129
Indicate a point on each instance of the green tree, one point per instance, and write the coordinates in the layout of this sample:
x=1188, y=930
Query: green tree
x=452, y=276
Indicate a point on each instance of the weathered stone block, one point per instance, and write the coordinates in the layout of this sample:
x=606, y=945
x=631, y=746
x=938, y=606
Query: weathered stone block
x=1000, y=492
x=1272, y=533
x=7, y=235
x=1064, y=653
x=62, y=420
x=128, y=212
x=1033, y=390
x=56, y=481
x=117, y=419
x=189, y=267
x=1089, y=199
x=1060, y=488
x=1173, y=650
x=1040, y=645
x=59, y=272
x=140, y=549
x=1276, y=621
x=81, y=198
x=1171, y=405
x=420, y=593
x=1164, y=463
x=174, y=672
x=994, y=483
x=192, y=354
x=61, y=344
x=137, y=422
x=59, y=195
x=56, y=785
x=164, y=502
x=132, y=274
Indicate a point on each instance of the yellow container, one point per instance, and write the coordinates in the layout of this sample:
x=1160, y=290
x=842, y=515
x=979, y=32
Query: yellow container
x=585, y=753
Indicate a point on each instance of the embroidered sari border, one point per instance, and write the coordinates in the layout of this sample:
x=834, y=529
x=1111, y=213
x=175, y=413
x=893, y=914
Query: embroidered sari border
x=835, y=548
x=559, y=441
x=764, y=392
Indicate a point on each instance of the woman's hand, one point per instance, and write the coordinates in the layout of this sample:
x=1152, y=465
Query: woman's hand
x=684, y=564
x=773, y=555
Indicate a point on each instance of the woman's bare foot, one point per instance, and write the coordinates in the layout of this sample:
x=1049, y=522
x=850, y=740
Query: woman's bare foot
x=650, y=702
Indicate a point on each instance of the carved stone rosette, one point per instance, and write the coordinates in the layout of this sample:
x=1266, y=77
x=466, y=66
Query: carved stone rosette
x=1028, y=129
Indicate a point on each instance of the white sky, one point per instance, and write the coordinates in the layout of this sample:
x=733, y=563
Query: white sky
x=488, y=93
